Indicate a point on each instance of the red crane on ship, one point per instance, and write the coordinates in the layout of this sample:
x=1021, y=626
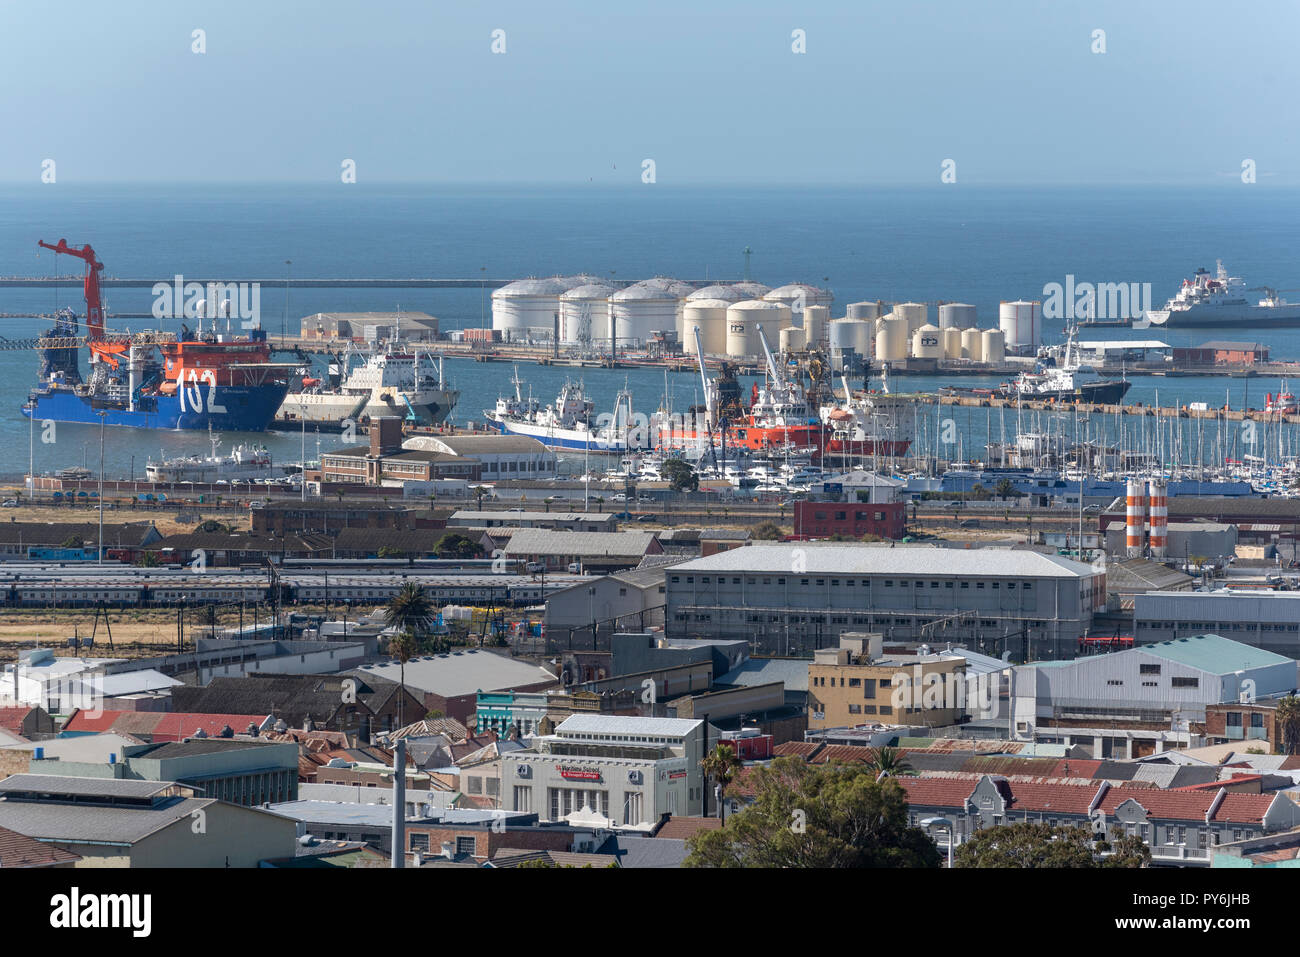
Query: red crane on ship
x=100, y=349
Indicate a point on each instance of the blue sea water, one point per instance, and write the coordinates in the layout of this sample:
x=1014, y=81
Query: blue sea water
x=977, y=245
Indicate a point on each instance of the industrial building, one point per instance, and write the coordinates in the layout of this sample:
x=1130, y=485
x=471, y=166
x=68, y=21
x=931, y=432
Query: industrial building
x=500, y=456
x=117, y=823
x=1258, y=617
x=1144, y=700
x=803, y=596
x=628, y=770
x=370, y=326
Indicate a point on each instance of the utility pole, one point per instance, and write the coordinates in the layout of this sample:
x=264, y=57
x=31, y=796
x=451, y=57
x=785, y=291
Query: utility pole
x=103, y=416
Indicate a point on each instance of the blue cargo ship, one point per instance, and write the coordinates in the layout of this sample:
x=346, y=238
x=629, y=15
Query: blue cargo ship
x=153, y=380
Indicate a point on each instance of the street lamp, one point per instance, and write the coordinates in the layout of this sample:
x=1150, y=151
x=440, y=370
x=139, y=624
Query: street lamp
x=929, y=822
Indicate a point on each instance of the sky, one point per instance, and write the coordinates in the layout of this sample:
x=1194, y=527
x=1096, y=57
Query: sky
x=1012, y=92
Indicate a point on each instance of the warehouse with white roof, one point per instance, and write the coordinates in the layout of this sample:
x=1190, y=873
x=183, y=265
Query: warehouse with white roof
x=801, y=596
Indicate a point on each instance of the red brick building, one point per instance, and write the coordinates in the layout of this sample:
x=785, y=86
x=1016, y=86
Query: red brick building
x=1218, y=352
x=849, y=519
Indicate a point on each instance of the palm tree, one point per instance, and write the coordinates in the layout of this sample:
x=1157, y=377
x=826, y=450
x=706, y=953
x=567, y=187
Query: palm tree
x=402, y=647
x=722, y=765
x=411, y=612
x=1288, y=719
x=889, y=761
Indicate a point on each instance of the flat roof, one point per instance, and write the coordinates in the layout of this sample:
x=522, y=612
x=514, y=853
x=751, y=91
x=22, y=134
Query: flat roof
x=462, y=672
x=629, y=725
x=926, y=561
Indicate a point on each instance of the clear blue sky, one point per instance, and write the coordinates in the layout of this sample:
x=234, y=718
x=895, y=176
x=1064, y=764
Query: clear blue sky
x=411, y=91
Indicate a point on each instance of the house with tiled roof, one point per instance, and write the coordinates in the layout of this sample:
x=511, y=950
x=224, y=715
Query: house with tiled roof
x=19, y=850
x=27, y=721
x=1180, y=827
x=162, y=726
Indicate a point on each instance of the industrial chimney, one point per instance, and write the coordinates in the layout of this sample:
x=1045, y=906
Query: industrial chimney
x=1134, y=517
x=1159, y=519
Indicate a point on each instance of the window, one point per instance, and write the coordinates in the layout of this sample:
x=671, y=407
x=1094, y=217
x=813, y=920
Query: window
x=466, y=845
x=1178, y=682
x=1149, y=669
x=419, y=842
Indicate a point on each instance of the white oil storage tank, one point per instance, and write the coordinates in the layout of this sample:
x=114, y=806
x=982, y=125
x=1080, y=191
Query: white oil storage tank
x=865, y=310
x=891, y=340
x=525, y=305
x=1021, y=325
x=798, y=296
x=926, y=343
x=993, y=348
x=815, y=320
x=711, y=316
x=792, y=340
x=743, y=320
x=957, y=315
x=856, y=335
x=584, y=313
x=916, y=314
x=951, y=343
x=642, y=309
x=749, y=289
x=972, y=347
x=723, y=292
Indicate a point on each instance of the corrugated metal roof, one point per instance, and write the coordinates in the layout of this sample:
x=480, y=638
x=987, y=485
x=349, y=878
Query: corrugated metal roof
x=545, y=541
x=921, y=560
x=1214, y=654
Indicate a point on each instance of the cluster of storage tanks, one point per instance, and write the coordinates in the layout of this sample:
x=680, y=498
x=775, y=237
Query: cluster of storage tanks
x=586, y=309
x=901, y=331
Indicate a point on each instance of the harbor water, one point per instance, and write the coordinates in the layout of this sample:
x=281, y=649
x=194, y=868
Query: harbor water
x=976, y=245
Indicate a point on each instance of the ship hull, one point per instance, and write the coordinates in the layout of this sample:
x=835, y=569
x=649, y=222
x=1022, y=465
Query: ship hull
x=230, y=409
x=430, y=408
x=1214, y=317
x=891, y=447
x=1099, y=393
x=563, y=440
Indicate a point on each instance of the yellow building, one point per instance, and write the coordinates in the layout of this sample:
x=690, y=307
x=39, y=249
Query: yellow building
x=856, y=684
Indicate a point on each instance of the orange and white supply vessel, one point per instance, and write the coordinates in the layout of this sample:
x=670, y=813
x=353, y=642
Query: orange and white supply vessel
x=1284, y=403
x=778, y=417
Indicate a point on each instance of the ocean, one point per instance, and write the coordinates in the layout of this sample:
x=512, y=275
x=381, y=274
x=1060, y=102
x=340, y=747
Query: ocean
x=949, y=242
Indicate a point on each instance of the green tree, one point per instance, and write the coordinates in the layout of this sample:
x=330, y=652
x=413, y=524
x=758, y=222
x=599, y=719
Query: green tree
x=816, y=815
x=388, y=551
x=455, y=545
x=766, y=531
x=1005, y=489
x=148, y=560
x=681, y=477
x=1288, y=720
x=72, y=541
x=1034, y=844
x=721, y=765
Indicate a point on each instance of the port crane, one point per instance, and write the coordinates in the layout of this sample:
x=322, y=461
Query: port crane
x=102, y=349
